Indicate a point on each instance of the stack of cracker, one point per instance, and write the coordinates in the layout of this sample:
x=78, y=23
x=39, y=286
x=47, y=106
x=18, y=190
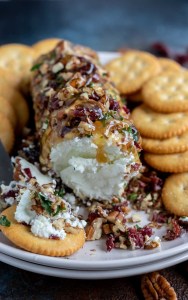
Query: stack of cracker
x=16, y=61
x=163, y=121
x=162, y=118
x=15, y=64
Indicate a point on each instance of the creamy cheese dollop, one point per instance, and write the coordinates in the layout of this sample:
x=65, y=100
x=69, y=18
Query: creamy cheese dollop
x=42, y=225
x=41, y=178
x=76, y=163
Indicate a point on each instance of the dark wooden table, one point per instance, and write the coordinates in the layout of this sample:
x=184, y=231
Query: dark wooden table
x=103, y=25
x=17, y=284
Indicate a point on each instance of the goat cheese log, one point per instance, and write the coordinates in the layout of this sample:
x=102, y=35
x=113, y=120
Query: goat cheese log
x=85, y=136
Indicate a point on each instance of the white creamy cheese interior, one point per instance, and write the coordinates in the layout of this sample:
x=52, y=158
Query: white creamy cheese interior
x=75, y=162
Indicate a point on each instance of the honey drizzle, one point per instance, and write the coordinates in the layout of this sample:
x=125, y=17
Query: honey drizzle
x=100, y=141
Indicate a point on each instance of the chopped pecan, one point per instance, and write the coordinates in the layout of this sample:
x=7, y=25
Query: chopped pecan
x=122, y=240
x=155, y=287
x=107, y=229
x=73, y=230
x=38, y=209
x=94, y=230
x=59, y=224
x=115, y=216
x=151, y=245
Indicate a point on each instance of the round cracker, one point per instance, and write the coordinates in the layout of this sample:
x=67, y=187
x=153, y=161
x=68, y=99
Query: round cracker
x=6, y=133
x=17, y=59
x=21, y=236
x=167, y=92
x=18, y=103
x=44, y=46
x=8, y=111
x=131, y=70
x=156, y=125
x=175, y=144
x=169, y=64
x=7, y=76
x=175, y=194
x=173, y=163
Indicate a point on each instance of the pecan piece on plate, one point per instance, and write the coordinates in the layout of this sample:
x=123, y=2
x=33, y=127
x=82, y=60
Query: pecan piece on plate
x=94, y=230
x=155, y=287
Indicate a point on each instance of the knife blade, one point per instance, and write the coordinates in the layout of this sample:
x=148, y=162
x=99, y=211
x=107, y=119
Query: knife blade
x=6, y=168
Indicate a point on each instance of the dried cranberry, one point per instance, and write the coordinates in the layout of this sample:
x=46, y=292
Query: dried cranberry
x=79, y=112
x=160, y=49
x=138, y=146
x=28, y=172
x=114, y=105
x=175, y=232
x=160, y=217
x=87, y=69
x=54, y=104
x=135, y=167
x=156, y=183
x=136, y=236
x=141, y=184
x=93, y=112
x=182, y=59
x=10, y=194
x=110, y=242
x=146, y=231
x=126, y=110
x=94, y=96
x=54, y=237
x=25, y=224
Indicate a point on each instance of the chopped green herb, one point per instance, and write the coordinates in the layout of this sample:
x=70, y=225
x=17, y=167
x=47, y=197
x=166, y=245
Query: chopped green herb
x=45, y=203
x=91, y=84
x=60, y=193
x=59, y=209
x=133, y=131
x=132, y=196
x=60, y=79
x=106, y=116
x=36, y=67
x=89, y=135
x=137, y=226
x=4, y=221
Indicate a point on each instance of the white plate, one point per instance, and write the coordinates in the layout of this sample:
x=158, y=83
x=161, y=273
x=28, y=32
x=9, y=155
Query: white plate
x=93, y=256
x=78, y=274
